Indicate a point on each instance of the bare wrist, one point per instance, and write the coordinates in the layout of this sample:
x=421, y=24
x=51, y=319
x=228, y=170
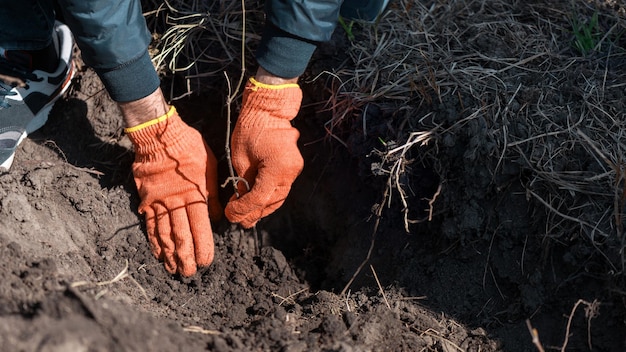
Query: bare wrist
x=265, y=77
x=145, y=109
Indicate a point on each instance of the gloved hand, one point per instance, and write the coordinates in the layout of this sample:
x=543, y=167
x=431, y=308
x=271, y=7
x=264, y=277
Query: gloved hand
x=264, y=151
x=176, y=174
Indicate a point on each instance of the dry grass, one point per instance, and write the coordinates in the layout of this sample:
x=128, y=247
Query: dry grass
x=200, y=40
x=503, y=79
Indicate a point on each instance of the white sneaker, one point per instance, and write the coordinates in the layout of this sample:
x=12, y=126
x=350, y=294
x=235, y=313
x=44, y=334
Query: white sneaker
x=24, y=110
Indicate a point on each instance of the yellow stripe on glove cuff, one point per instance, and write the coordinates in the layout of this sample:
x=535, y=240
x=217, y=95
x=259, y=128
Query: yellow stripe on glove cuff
x=258, y=84
x=159, y=119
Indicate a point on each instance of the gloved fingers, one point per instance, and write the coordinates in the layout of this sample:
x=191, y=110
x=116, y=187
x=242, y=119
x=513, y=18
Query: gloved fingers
x=268, y=193
x=250, y=204
x=241, y=211
x=244, y=168
x=251, y=217
x=247, y=175
x=275, y=201
x=216, y=211
x=184, y=253
x=202, y=233
x=170, y=173
x=155, y=246
x=215, y=208
x=164, y=233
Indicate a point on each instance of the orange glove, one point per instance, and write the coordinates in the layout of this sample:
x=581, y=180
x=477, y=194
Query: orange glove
x=176, y=174
x=264, y=150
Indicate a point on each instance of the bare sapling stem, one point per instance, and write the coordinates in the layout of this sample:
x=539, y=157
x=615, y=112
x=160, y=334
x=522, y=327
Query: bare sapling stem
x=232, y=95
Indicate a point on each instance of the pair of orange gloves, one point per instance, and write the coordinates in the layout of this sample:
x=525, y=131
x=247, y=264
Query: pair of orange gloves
x=176, y=174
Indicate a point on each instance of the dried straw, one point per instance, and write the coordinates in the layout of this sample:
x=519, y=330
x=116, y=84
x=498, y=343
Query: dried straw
x=504, y=79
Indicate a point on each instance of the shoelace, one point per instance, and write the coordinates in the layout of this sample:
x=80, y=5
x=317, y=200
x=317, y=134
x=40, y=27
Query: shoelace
x=10, y=70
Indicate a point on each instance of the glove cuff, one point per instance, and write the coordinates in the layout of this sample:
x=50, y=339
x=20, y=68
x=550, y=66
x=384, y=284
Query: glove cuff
x=269, y=105
x=141, y=126
x=168, y=132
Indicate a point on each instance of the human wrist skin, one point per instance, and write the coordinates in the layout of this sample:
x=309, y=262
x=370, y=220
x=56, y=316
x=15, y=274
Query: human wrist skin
x=263, y=76
x=171, y=112
x=143, y=110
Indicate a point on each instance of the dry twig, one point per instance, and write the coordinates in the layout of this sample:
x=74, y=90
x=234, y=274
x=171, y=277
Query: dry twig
x=380, y=287
x=591, y=311
x=535, y=335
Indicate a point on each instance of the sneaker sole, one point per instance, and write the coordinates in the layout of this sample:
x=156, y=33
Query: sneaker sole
x=6, y=165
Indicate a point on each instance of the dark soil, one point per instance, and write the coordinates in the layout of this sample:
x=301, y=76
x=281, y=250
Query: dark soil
x=77, y=273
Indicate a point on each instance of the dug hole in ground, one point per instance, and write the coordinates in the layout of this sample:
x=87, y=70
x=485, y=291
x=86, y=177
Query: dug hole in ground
x=478, y=127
